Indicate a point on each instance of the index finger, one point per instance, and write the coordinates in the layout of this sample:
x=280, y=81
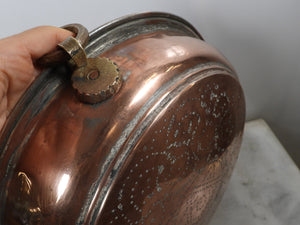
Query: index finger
x=41, y=40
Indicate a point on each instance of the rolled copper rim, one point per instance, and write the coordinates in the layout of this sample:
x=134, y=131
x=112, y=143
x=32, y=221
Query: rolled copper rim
x=113, y=33
x=147, y=15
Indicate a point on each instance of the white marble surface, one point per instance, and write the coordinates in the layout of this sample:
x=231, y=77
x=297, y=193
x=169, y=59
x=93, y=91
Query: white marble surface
x=265, y=185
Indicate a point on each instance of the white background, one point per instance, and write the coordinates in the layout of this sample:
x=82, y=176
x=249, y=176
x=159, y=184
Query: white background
x=261, y=38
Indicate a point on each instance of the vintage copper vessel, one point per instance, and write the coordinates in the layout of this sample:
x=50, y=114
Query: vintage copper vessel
x=160, y=150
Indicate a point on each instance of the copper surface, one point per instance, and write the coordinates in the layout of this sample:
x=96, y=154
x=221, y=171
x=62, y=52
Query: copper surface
x=160, y=151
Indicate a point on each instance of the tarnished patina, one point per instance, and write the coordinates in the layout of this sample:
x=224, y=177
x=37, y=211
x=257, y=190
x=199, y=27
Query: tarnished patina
x=160, y=151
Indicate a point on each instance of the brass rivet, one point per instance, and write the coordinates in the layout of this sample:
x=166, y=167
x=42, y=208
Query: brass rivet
x=93, y=75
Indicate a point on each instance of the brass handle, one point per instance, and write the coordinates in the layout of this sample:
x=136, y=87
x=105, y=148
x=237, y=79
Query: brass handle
x=94, y=79
x=61, y=55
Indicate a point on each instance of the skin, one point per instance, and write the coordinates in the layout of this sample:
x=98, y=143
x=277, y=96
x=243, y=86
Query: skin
x=17, y=56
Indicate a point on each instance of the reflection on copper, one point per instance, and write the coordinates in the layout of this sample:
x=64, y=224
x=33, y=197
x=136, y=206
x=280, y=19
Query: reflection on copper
x=149, y=84
x=62, y=185
x=112, y=130
x=25, y=183
x=173, y=67
x=35, y=210
x=176, y=51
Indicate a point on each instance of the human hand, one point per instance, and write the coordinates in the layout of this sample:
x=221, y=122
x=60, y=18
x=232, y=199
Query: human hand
x=17, y=56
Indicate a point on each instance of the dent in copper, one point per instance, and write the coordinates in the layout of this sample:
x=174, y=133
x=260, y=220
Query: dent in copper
x=159, y=152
